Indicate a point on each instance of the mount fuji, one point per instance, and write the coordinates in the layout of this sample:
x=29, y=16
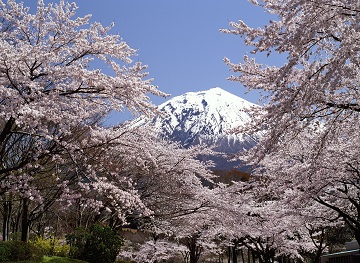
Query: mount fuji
x=208, y=117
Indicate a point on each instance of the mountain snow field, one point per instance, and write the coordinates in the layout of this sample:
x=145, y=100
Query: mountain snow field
x=208, y=117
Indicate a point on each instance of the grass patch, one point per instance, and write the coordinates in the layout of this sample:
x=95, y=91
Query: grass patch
x=53, y=259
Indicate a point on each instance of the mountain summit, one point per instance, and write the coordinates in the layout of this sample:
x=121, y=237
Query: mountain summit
x=207, y=117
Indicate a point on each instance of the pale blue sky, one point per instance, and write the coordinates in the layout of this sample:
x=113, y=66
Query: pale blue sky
x=180, y=40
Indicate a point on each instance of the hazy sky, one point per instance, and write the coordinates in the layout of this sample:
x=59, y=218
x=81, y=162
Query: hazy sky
x=180, y=40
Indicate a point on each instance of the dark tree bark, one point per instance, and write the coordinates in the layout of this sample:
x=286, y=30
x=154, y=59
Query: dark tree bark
x=194, y=249
x=233, y=253
x=7, y=206
x=242, y=256
x=25, y=220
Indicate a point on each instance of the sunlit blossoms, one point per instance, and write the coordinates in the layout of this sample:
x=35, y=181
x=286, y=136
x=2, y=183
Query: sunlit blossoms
x=54, y=98
x=312, y=101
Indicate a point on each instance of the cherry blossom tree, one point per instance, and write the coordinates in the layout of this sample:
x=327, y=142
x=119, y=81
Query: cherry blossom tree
x=53, y=146
x=170, y=185
x=53, y=100
x=259, y=219
x=154, y=251
x=311, y=111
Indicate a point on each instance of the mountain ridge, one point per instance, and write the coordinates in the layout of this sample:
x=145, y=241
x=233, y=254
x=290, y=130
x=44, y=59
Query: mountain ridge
x=205, y=117
x=208, y=117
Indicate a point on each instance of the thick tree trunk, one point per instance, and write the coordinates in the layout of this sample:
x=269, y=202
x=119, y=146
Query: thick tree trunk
x=234, y=254
x=242, y=256
x=194, y=249
x=25, y=220
x=7, y=206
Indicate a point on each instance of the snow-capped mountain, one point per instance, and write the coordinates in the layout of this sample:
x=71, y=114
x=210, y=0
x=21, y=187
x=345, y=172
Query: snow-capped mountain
x=207, y=117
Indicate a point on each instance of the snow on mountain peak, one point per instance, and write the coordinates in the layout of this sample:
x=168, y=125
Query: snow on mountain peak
x=205, y=117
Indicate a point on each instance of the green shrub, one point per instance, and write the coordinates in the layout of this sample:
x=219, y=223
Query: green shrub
x=77, y=242
x=52, y=246
x=56, y=259
x=5, y=251
x=98, y=244
x=17, y=251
